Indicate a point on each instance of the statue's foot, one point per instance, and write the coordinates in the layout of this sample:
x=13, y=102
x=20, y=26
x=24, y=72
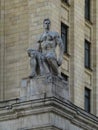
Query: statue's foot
x=32, y=75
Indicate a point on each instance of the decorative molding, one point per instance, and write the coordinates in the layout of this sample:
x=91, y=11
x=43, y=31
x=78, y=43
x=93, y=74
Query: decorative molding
x=64, y=109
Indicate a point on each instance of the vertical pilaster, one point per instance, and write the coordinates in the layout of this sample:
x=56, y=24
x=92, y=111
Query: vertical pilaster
x=2, y=48
x=96, y=47
x=77, y=52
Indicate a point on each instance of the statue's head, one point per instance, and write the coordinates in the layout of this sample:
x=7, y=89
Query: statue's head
x=46, y=24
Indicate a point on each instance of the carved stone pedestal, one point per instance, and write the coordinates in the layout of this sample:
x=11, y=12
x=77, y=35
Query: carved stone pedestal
x=44, y=105
x=44, y=86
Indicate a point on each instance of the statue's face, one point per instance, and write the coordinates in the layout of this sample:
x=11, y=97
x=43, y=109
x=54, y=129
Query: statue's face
x=46, y=24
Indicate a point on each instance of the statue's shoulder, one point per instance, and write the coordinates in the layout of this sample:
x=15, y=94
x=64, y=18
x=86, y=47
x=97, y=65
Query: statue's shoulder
x=54, y=34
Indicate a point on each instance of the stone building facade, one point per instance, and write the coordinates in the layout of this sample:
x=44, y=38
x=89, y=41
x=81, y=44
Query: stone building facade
x=21, y=23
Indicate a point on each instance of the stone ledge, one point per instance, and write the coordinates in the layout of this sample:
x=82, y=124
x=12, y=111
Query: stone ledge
x=64, y=110
x=48, y=127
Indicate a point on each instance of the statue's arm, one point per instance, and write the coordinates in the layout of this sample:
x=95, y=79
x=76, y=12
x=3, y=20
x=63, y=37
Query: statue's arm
x=61, y=48
x=39, y=45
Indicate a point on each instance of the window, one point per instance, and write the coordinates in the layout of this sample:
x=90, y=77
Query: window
x=87, y=9
x=64, y=35
x=87, y=99
x=64, y=76
x=87, y=54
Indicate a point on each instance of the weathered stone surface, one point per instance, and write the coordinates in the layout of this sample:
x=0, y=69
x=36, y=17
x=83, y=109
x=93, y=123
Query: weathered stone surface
x=45, y=113
x=20, y=25
x=45, y=58
x=44, y=86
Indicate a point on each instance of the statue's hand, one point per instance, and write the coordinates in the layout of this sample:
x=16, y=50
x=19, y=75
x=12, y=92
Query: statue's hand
x=31, y=52
x=59, y=62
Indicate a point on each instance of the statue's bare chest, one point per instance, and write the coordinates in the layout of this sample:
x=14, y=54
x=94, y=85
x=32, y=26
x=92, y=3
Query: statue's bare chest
x=47, y=41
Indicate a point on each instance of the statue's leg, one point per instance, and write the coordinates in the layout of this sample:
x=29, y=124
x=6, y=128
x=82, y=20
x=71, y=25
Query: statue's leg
x=53, y=65
x=33, y=66
x=41, y=64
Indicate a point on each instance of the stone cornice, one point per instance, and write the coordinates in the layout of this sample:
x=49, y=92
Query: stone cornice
x=48, y=127
x=65, y=109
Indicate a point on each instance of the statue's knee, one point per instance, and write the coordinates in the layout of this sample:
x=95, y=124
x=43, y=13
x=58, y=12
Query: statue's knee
x=33, y=61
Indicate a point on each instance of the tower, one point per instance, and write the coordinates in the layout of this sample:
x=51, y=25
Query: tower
x=20, y=26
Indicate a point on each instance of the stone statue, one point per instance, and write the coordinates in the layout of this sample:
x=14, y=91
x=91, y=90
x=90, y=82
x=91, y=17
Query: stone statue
x=44, y=59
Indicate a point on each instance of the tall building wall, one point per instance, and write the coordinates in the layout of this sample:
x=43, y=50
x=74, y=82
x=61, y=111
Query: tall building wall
x=77, y=52
x=16, y=37
x=22, y=23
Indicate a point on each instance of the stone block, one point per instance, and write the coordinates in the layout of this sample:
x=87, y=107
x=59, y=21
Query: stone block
x=44, y=86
